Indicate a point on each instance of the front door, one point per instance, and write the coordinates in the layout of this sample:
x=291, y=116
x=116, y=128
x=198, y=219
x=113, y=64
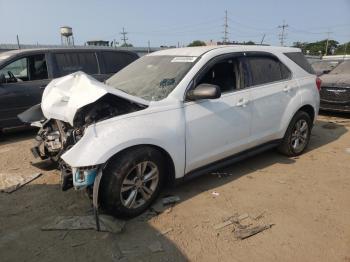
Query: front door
x=218, y=128
x=24, y=80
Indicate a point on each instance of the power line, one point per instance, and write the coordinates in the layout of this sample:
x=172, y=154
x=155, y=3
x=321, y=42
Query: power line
x=225, y=38
x=124, y=38
x=282, y=36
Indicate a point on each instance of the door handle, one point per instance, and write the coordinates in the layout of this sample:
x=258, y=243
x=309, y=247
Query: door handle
x=242, y=102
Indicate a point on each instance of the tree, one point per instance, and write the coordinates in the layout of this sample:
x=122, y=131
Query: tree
x=315, y=47
x=197, y=43
x=126, y=45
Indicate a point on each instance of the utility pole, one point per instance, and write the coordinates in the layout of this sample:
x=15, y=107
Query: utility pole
x=149, y=46
x=19, y=47
x=124, y=38
x=225, y=38
x=328, y=34
x=283, y=35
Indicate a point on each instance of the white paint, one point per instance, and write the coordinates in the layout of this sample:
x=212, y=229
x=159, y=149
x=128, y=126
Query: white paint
x=193, y=133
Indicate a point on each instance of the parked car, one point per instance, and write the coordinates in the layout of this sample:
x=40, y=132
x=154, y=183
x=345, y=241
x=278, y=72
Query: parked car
x=324, y=66
x=174, y=114
x=25, y=73
x=335, y=89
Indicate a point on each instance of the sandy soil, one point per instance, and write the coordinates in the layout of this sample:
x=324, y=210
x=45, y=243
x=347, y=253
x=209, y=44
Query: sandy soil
x=306, y=198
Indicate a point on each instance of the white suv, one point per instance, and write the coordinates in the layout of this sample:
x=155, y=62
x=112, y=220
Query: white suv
x=173, y=114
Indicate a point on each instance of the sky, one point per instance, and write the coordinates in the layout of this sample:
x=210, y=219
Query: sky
x=174, y=22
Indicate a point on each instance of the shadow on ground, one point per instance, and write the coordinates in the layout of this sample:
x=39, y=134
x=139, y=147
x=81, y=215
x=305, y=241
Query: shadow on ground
x=31, y=207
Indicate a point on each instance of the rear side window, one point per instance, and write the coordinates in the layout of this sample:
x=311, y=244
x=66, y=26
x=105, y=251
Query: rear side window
x=300, y=60
x=71, y=62
x=114, y=61
x=264, y=69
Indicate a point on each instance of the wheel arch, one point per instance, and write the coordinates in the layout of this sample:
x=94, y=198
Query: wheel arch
x=170, y=178
x=309, y=109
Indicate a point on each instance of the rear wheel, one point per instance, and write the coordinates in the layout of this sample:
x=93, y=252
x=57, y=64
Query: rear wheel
x=297, y=136
x=131, y=182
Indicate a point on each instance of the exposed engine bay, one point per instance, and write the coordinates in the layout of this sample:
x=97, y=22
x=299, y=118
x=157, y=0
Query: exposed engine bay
x=56, y=137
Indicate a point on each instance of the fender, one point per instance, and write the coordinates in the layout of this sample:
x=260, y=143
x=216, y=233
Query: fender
x=103, y=140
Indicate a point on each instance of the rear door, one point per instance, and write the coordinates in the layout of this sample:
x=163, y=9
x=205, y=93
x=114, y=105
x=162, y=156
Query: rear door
x=272, y=89
x=70, y=62
x=113, y=61
x=22, y=90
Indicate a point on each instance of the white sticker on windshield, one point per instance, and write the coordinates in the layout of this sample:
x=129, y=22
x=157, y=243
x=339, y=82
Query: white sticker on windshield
x=184, y=59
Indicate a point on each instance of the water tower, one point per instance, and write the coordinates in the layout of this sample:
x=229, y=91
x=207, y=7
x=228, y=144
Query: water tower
x=67, y=36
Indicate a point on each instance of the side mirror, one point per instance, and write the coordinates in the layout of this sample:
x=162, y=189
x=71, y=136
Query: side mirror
x=204, y=91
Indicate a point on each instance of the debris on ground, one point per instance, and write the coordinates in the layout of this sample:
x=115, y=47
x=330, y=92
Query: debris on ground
x=214, y=193
x=223, y=224
x=164, y=232
x=347, y=150
x=170, y=200
x=156, y=247
x=107, y=223
x=13, y=181
x=248, y=232
x=243, y=216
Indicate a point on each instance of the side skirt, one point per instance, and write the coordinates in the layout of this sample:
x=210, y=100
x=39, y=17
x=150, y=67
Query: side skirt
x=228, y=161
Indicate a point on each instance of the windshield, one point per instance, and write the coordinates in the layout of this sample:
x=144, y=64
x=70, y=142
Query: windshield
x=343, y=68
x=152, y=77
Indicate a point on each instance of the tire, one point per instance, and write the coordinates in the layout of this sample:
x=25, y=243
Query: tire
x=126, y=174
x=296, y=131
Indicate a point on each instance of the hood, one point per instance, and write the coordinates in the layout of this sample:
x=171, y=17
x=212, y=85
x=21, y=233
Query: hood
x=336, y=80
x=64, y=96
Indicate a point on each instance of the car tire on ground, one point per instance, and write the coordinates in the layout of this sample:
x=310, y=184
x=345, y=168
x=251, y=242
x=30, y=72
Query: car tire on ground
x=131, y=181
x=297, y=136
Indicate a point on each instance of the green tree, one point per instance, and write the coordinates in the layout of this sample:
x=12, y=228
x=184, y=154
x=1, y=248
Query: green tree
x=126, y=45
x=197, y=43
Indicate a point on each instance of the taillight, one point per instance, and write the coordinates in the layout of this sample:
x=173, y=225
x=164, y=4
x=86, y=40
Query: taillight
x=318, y=83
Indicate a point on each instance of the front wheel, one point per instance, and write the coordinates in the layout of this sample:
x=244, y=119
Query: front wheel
x=297, y=136
x=131, y=181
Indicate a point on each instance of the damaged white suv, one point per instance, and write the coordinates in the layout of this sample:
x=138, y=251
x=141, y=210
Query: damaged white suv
x=173, y=114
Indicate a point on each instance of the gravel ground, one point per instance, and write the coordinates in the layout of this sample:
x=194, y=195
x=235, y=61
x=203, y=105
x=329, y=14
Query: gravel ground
x=307, y=200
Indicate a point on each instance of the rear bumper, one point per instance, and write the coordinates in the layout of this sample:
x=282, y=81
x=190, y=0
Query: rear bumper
x=341, y=107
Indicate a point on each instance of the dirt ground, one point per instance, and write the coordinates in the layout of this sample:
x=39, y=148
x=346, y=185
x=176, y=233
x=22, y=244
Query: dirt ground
x=307, y=199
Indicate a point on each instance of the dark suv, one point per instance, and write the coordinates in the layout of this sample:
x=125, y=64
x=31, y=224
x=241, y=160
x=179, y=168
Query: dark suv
x=24, y=74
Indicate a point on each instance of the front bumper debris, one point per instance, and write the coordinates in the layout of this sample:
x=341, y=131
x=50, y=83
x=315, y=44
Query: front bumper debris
x=84, y=177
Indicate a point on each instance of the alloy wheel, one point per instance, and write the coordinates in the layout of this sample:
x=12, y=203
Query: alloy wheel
x=300, y=135
x=139, y=184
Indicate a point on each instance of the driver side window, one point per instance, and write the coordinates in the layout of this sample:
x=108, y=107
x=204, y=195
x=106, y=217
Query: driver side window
x=18, y=68
x=225, y=73
x=25, y=69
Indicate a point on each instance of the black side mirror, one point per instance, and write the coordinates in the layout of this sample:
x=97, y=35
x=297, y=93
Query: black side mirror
x=2, y=79
x=204, y=91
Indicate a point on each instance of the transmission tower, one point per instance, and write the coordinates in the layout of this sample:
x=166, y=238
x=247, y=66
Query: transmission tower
x=283, y=34
x=225, y=38
x=124, y=38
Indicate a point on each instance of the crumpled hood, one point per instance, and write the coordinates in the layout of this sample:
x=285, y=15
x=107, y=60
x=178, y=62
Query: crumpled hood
x=336, y=80
x=64, y=96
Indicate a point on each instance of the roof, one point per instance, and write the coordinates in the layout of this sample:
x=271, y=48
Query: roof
x=198, y=51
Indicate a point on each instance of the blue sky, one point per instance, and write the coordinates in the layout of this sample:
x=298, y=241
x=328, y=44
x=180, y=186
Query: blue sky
x=169, y=22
